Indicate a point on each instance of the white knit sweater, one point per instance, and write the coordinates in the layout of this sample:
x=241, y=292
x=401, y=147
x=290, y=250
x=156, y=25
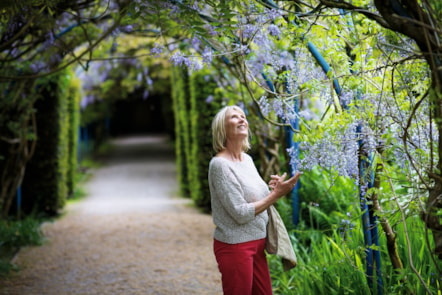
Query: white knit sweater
x=233, y=186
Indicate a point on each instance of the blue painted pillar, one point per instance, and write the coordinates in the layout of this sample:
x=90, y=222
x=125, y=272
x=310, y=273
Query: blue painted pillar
x=295, y=145
x=19, y=202
x=364, y=180
x=290, y=143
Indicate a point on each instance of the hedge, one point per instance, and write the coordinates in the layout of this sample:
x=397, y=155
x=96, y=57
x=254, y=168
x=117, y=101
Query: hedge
x=181, y=105
x=204, y=105
x=73, y=100
x=195, y=101
x=47, y=178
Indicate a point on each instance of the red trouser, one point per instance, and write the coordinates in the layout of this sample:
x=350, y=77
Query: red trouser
x=243, y=267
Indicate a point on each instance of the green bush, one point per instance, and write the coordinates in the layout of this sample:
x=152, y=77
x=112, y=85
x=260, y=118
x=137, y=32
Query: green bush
x=325, y=199
x=181, y=105
x=204, y=105
x=193, y=139
x=20, y=233
x=14, y=235
x=73, y=98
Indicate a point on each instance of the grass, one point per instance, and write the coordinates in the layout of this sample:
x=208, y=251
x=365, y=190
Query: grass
x=82, y=176
x=332, y=263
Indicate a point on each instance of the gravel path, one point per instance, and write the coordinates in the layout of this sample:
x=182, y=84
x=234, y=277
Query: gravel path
x=130, y=235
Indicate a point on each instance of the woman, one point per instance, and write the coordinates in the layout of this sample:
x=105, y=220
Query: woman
x=240, y=199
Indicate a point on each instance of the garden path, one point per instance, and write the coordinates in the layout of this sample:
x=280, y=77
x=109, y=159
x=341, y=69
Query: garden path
x=130, y=235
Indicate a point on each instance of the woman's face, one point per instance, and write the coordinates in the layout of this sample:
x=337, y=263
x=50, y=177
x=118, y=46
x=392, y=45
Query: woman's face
x=237, y=127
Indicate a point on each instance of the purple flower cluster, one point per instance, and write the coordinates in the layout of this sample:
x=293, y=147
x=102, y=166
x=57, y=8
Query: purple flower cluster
x=274, y=30
x=157, y=50
x=280, y=107
x=346, y=97
x=192, y=62
x=335, y=152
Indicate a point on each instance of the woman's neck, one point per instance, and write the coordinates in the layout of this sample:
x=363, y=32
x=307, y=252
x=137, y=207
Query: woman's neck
x=233, y=152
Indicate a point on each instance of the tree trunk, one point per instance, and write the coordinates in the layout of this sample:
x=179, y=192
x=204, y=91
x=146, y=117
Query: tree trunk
x=388, y=230
x=16, y=146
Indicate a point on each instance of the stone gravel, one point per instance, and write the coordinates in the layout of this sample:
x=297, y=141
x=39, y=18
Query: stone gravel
x=130, y=235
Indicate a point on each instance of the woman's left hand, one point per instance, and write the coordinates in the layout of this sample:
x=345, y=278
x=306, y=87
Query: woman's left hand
x=280, y=182
x=275, y=179
x=279, y=187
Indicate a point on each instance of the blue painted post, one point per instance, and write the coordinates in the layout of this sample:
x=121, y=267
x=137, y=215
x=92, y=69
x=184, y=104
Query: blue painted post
x=295, y=145
x=375, y=236
x=84, y=140
x=19, y=202
x=268, y=82
x=290, y=143
x=371, y=235
x=324, y=65
x=366, y=224
x=372, y=227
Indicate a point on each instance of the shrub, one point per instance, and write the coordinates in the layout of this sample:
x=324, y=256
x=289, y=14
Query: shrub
x=16, y=234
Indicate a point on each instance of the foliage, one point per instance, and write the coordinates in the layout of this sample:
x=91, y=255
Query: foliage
x=326, y=198
x=205, y=101
x=181, y=104
x=16, y=234
x=20, y=233
x=48, y=44
x=63, y=139
x=73, y=99
x=333, y=263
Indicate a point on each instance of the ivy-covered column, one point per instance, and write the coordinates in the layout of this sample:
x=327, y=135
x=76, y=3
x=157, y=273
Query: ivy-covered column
x=44, y=184
x=205, y=102
x=181, y=105
x=73, y=115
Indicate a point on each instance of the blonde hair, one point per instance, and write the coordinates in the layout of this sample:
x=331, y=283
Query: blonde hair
x=219, y=136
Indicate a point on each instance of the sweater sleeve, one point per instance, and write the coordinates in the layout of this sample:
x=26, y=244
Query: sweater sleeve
x=230, y=194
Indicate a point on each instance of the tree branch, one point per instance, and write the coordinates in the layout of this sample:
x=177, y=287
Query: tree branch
x=350, y=7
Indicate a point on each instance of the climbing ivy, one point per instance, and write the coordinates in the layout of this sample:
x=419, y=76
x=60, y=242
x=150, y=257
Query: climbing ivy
x=180, y=99
x=45, y=185
x=205, y=101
